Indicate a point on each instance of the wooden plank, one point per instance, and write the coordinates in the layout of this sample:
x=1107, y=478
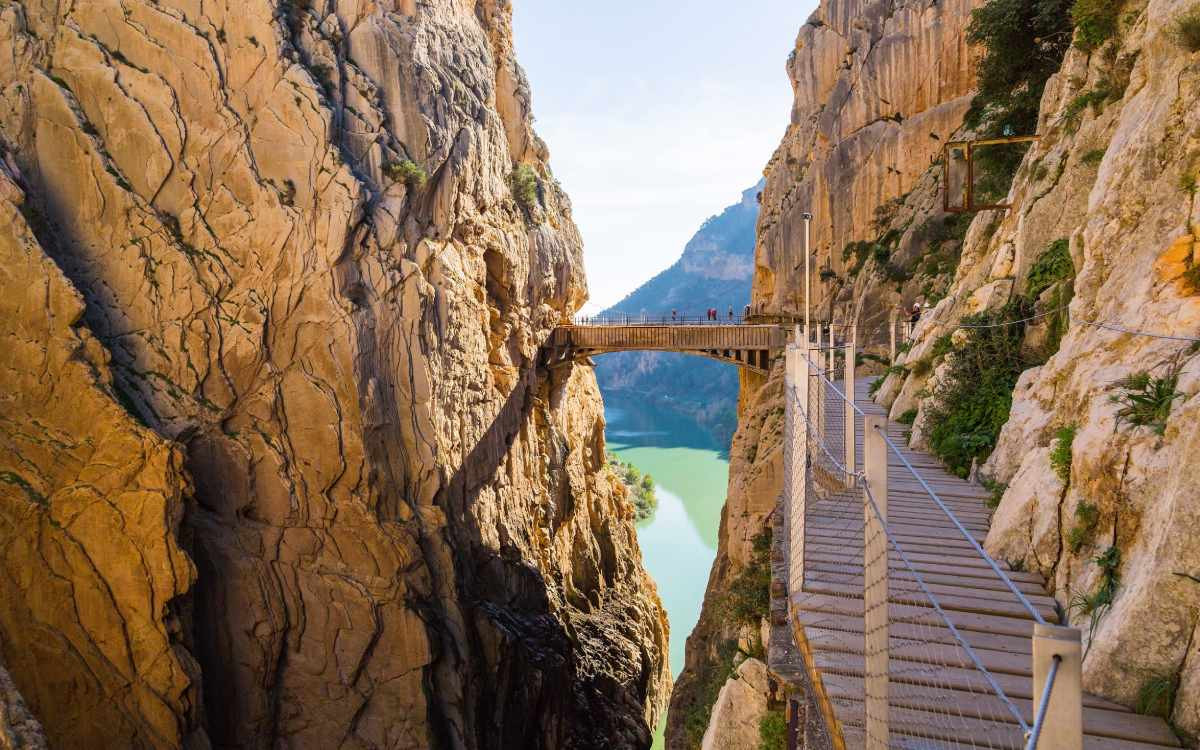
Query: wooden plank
x=1099, y=722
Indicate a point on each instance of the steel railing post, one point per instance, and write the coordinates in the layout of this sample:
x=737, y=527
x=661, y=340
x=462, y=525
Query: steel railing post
x=1062, y=726
x=848, y=407
x=875, y=582
x=892, y=335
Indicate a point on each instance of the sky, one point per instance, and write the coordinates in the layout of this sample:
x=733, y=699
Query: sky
x=658, y=114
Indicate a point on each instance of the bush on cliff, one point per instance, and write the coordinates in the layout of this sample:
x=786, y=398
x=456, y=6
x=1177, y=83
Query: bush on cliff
x=524, y=184
x=1186, y=29
x=639, y=485
x=1095, y=22
x=748, y=599
x=1023, y=44
x=972, y=400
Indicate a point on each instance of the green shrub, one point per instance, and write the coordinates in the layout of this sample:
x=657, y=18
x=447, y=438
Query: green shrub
x=1095, y=22
x=1145, y=400
x=1186, y=29
x=1157, y=695
x=907, y=417
x=972, y=401
x=1087, y=519
x=1191, y=277
x=772, y=730
x=1060, y=455
x=640, y=486
x=1097, y=603
x=828, y=274
x=1094, y=98
x=1052, y=266
x=406, y=171
x=748, y=599
x=1187, y=183
x=524, y=183
x=921, y=367
x=709, y=679
x=997, y=489
x=942, y=346
x=1023, y=43
x=1093, y=158
x=881, y=253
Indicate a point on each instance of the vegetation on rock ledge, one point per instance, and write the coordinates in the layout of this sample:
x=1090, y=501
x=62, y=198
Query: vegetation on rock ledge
x=640, y=486
x=972, y=400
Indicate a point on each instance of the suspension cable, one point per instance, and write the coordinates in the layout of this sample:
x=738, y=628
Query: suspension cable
x=992, y=683
x=966, y=534
x=1043, y=705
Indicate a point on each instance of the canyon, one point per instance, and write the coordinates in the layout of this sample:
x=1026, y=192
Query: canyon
x=281, y=464
x=1094, y=262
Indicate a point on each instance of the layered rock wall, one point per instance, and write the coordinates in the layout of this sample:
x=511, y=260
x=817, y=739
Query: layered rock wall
x=879, y=87
x=1114, y=176
x=293, y=230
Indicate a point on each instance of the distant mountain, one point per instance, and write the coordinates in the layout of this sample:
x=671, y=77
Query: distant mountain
x=715, y=270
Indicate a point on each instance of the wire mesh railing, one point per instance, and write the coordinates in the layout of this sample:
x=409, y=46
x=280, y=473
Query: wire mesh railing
x=907, y=653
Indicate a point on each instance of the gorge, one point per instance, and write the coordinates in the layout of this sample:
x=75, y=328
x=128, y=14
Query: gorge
x=285, y=459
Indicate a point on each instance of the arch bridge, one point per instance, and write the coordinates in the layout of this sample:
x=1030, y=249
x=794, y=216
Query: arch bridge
x=748, y=345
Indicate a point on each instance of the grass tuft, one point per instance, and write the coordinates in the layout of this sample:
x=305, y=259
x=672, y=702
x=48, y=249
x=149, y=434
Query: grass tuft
x=1186, y=29
x=1087, y=518
x=1157, y=695
x=772, y=730
x=1145, y=400
x=1095, y=22
x=1060, y=455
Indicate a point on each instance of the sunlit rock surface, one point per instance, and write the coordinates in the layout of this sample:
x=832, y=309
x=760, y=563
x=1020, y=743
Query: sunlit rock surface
x=1112, y=179
x=292, y=228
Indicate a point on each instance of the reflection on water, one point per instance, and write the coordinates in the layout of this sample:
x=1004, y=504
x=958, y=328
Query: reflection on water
x=680, y=541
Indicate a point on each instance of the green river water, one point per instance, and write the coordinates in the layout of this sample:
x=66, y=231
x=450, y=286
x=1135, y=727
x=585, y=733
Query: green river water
x=690, y=473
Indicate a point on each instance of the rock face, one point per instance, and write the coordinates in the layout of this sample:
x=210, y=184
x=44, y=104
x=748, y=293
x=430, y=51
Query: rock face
x=90, y=506
x=715, y=270
x=879, y=87
x=739, y=709
x=18, y=729
x=1113, y=175
x=295, y=231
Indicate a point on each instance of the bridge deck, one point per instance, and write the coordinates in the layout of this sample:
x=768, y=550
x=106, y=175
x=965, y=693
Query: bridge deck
x=745, y=345
x=932, y=702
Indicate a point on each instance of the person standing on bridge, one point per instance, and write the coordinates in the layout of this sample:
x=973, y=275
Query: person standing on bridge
x=731, y=313
x=672, y=316
x=746, y=313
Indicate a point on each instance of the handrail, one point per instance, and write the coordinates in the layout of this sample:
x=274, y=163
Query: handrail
x=1040, y=718
x=1037, y=616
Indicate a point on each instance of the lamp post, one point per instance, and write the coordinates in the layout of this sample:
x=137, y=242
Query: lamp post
x=807, y=276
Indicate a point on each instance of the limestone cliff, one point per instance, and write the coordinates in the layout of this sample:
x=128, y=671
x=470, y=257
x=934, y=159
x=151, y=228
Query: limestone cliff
x=879, y=86
x=18, y=729
x=320, y=244
x=1111, y=519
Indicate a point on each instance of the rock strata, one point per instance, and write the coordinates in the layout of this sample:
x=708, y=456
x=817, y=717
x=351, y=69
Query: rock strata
x=879, y=87
x=1113, y=178
x=295, y=232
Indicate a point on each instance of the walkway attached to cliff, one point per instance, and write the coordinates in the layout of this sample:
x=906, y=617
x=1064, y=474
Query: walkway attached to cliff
x=907, y=634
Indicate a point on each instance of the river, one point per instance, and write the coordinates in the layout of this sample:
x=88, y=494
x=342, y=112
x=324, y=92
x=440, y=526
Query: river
x=690, y=473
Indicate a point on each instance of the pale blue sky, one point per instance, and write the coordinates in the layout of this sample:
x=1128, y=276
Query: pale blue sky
x=658, y=114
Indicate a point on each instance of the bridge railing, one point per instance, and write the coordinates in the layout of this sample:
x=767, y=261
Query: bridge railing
x=670, y=337
x=921, y=675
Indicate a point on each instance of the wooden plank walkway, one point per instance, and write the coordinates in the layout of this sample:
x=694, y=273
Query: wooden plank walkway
x=937, y=698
